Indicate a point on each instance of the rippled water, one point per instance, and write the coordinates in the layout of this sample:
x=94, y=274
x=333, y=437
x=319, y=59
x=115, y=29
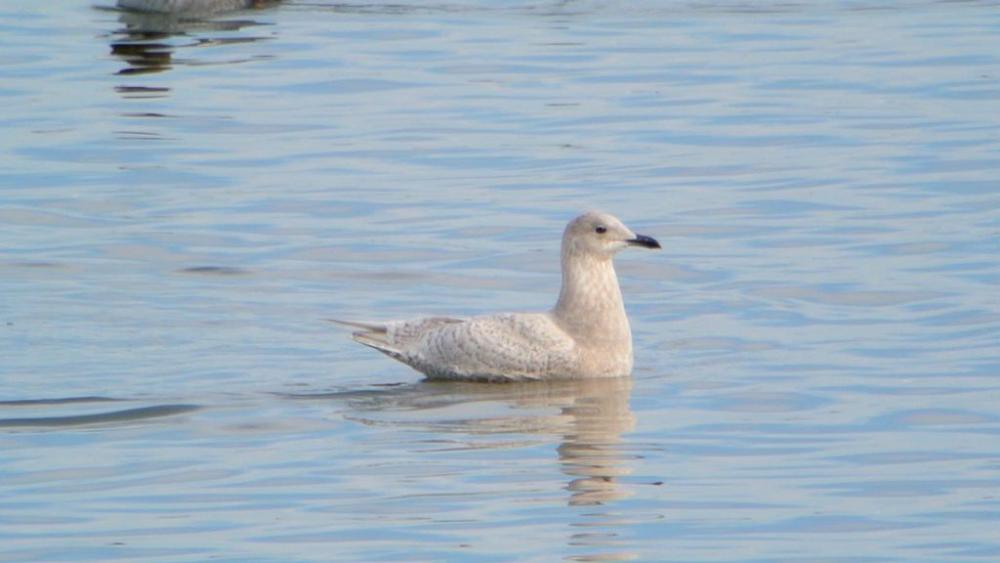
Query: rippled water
x=182, y=203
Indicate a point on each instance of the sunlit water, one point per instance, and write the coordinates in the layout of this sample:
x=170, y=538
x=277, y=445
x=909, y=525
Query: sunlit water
x=182, y=204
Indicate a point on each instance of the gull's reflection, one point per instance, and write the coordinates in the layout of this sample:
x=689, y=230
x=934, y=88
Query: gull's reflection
x=147, y=41
x=587, y=417
x=592, y=416
x=591, y=451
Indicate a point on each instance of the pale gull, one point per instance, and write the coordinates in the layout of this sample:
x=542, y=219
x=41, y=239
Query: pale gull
x=586, y=334
x=187, y=6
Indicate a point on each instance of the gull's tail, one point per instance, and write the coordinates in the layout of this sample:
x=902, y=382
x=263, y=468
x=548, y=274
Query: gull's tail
x=372, y=334
x=395, y=338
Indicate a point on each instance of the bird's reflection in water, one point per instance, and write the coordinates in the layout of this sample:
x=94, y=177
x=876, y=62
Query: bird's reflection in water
x=590, y=451
x=592, y=416
x=587, y=417
x=147, y=42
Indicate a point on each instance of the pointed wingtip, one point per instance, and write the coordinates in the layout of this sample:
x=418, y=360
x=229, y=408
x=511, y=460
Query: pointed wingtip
x=363, y=325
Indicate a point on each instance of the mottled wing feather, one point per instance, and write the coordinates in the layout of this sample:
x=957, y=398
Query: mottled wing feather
x=406, y=333
x=502, y=347
x=394, y=337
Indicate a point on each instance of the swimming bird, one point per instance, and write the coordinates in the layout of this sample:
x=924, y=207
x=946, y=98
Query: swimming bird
x=186, y=6
x=585, y=335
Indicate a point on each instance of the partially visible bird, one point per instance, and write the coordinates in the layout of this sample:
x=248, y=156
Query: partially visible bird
x=187, y=7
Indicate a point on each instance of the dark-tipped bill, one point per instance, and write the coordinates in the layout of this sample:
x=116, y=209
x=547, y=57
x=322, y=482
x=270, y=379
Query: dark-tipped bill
x=643, y=240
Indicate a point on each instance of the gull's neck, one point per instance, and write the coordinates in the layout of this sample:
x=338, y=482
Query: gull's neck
x=590, y=303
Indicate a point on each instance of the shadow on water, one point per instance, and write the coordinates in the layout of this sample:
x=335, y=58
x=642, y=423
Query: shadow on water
x=588, y=419
x=99, y=418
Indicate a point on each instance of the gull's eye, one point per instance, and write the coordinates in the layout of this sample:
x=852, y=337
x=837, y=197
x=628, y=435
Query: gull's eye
x=601, y=230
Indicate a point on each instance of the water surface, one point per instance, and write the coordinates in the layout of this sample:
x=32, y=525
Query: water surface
x=182, y=203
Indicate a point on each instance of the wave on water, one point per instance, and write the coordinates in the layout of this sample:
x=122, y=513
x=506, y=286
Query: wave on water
x=104, y=417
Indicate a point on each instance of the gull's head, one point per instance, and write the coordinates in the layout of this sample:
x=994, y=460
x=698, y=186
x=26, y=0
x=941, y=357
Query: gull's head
x=601, y=234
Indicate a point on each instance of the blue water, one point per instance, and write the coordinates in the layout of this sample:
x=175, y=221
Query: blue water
x=183, y=203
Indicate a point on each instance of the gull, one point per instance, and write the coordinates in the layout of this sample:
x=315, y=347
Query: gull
x=585, y=335
x=186, y=6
